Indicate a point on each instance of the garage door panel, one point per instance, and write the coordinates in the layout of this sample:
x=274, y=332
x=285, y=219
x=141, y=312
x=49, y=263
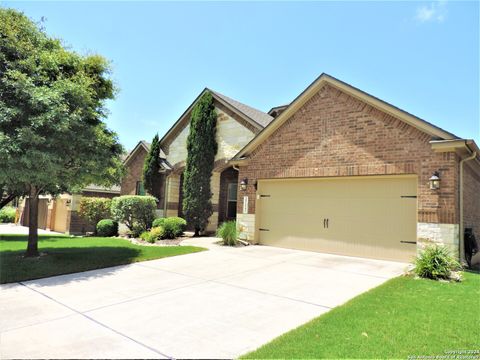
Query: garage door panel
x=371, y=217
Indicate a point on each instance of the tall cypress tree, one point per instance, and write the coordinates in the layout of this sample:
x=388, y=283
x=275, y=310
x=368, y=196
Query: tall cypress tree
x=202, y=148
x=152, y=178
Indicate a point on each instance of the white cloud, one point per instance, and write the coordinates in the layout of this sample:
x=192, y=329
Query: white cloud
x=434, y=12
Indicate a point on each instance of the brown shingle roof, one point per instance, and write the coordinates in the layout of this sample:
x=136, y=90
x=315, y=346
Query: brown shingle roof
x=256, y=115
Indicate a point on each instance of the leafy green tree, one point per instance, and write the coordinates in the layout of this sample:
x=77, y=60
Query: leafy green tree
x=202, y=148
x=52, y=103
x=152, y=177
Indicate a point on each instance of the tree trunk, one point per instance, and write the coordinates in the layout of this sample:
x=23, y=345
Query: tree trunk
x=32, y=247
x=197, y=232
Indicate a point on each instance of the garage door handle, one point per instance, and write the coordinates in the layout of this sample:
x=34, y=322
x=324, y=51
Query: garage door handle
x=408, y=242
x=263, y=229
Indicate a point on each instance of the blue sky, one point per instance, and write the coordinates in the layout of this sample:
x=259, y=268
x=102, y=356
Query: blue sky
x=420, y=56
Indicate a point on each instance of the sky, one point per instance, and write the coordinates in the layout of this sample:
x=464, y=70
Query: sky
x=422, y=57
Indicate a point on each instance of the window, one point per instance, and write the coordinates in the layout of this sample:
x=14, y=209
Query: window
x=139, y=190
x=232, y=201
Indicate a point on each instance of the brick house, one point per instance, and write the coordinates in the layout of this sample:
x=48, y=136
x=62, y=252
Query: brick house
x=336, y=170
x=237, y=124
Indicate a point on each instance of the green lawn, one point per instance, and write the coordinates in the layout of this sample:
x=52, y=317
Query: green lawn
x=403, y=317
x=66, y=255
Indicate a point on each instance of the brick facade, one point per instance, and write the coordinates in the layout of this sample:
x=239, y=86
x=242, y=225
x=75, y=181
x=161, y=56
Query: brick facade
x=335, y=134
x=134, y=172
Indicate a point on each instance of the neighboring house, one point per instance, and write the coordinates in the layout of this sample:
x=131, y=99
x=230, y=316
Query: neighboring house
x=61, y=213
x=337, y=170
x=237, y=124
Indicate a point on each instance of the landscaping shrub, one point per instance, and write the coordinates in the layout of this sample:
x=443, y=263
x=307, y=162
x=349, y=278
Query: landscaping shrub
x=137, y=230
x=7, y=214
x=137, y=212
x=436, y=262
x=228, y=232
x=107, y=227
x=156, y=233
x=94, y=209
x=173, y=226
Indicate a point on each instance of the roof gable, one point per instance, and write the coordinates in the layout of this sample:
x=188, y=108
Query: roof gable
x=313, y=88
x=256, y=118
x=142, y=145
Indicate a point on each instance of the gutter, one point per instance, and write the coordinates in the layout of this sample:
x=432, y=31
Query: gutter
x=472, y=156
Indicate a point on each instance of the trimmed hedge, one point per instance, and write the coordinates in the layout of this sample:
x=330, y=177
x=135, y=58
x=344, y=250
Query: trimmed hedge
x=7, y=214
x=137, y=212
x=107, y=227
x=94, y=209
x=173, y=226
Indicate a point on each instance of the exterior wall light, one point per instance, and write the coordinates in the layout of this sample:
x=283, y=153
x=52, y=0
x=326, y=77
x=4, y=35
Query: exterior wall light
x=243, y=184
x=434, y=181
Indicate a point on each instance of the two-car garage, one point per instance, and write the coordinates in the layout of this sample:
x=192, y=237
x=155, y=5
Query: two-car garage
x=367, y=216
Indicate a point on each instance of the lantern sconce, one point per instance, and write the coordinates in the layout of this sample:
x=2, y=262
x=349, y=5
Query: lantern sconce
x=68, y=202
x=434, y=181
x=243, y=184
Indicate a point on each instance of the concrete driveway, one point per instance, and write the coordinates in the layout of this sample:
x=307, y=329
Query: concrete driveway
x=214, y=304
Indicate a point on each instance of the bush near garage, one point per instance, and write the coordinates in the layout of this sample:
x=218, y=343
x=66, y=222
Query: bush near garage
x=136, y=212
x=107, y=227
x=173, y=226
x=228, y=232
x=435, y=262
x=7, y=214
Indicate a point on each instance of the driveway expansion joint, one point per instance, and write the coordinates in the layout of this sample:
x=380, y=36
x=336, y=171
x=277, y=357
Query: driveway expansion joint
x=98, y=322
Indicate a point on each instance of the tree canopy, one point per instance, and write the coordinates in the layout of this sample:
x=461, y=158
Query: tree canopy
x=52, y=106
x=202, y=148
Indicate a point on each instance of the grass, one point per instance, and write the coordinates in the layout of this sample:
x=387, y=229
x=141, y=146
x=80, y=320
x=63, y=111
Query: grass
x=402, y=317
x=65, y=255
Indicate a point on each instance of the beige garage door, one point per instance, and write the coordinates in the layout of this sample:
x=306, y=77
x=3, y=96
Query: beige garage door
x=371, y=217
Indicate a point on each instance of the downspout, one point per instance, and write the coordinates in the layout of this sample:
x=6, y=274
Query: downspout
x=167, y=181
x=462, y=230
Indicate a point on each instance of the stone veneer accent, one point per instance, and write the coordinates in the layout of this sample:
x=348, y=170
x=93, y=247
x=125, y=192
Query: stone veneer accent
x=246, y=227
x=232, y=135
x=215, y=188
x=444, y=234
x=173, y=195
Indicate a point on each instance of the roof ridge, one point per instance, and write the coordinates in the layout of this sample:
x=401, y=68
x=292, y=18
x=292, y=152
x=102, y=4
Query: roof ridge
x=260, y=117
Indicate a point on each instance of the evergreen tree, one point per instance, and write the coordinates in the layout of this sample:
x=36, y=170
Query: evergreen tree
x=152, y=178
x=202, y=148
